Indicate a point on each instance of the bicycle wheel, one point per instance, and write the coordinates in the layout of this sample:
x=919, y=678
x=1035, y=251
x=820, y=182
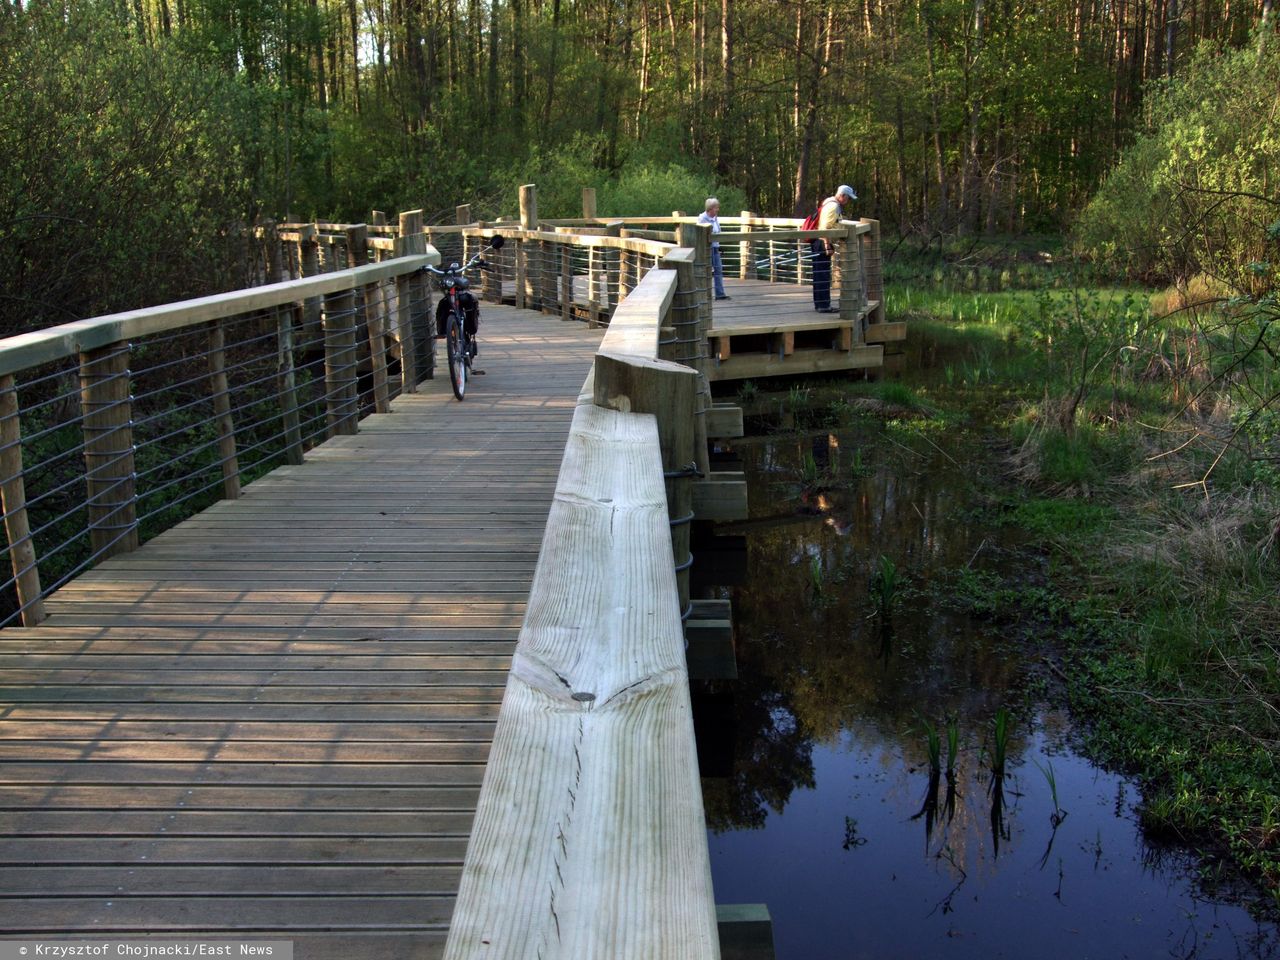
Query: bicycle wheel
x=456, y=347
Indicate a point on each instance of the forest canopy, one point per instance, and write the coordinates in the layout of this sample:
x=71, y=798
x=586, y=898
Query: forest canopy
x=152, y=131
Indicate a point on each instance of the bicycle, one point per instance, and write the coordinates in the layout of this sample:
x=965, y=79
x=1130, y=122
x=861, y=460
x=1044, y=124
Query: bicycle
x=458, y=316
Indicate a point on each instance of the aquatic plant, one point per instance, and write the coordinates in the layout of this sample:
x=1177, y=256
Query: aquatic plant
x=817, y=576
x=747, y=391
x=851, y=837
x=858, y=469
x=934, y=745
x=1000, y=741
x=797, y=397
x=953, y=746
x=809, y=473
x=884, y=585
x=1058, y=814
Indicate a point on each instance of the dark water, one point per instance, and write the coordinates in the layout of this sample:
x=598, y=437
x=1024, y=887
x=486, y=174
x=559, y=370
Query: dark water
x=829, y=815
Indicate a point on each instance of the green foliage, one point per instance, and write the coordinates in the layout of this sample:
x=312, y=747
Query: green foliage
x=884, y=585
x=656, y=189
x=1046, y=518
x=122, y=169
x=1195, y=192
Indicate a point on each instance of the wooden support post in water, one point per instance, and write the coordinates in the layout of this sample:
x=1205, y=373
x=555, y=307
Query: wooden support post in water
x=588, y=203
x=286, y=384
x=13, y=494
x=108, y=450
x=341, y=400
x=222, y=421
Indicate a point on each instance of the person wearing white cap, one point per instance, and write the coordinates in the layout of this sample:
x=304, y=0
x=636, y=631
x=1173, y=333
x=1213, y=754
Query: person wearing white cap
x=828, y=219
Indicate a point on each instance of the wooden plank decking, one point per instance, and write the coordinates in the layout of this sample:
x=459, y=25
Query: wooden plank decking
x=274, y=718
x=771, y=329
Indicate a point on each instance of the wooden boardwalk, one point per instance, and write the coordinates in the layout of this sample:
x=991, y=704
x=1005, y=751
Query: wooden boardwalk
x=273, y=719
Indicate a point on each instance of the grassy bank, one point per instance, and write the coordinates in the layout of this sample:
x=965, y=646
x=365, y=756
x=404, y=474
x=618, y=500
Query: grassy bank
x=1128, y=463
x=1134, y=455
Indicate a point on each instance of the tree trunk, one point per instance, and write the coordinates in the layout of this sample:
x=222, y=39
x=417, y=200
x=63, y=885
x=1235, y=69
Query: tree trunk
x=553, y=63
x=971, y=201
x=491, y=97
x=940, y=167
x=726, y=86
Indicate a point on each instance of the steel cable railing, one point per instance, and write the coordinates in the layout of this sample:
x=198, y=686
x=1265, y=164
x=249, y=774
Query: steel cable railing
x=160, y=412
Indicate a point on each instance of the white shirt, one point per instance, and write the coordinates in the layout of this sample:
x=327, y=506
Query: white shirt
x=706, y=218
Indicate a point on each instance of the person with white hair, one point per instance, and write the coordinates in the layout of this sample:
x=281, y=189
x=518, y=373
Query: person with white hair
x=829, y=215
x=711, y=216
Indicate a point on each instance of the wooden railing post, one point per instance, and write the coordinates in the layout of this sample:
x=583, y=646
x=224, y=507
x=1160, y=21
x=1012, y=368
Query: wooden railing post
x=222, y=420
x=271, y=239
x=874, y=280
x=377, y=218
x=462, y=214
x=691, y=336
x=341, y=400
x=702, y=266
x=286, y=381
x=107, y=409
x=13, y=494
x=566, y=281
x=527, y=250
x=746, y=253
x=309, y=264
x=850, y=277
x=611, y=291
x=375, y=331
x=669, y=391
x=593, y=286
x=410, y=291
x=588, y=203
x=548, y=275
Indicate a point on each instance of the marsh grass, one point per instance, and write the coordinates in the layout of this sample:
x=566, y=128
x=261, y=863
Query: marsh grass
x=884, y=586
x=1162, y=545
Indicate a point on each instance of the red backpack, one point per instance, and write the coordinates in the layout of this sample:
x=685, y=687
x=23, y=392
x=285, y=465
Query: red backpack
x=811, y=221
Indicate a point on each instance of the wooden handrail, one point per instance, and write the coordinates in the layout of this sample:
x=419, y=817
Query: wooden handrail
x=27, y=350
x=590, y=838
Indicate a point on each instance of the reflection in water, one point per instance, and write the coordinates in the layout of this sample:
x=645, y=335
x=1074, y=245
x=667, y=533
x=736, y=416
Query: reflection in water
x=822, y=815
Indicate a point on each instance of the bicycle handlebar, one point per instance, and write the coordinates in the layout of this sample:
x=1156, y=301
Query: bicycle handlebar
x=477, y=259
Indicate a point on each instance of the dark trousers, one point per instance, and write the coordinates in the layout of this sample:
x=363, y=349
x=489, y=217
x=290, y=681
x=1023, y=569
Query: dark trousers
x=821, y=263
